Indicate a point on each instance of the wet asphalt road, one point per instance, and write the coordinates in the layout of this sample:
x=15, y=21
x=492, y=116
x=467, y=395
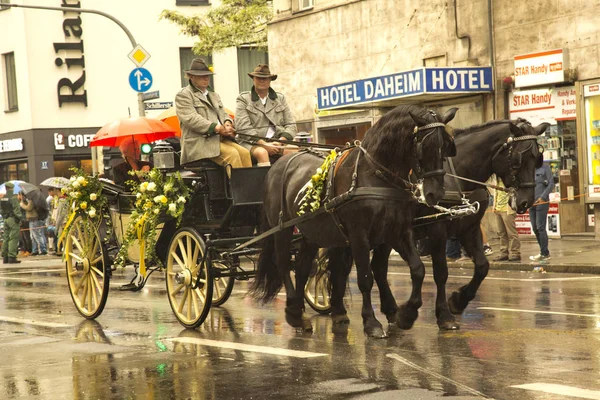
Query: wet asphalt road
x=537, y=331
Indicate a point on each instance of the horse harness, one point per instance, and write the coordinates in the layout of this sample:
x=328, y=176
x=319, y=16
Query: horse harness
x=405, y=191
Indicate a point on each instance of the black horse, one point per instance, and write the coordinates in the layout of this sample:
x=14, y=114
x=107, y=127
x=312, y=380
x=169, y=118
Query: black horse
x=504, y=148
x=371, y=204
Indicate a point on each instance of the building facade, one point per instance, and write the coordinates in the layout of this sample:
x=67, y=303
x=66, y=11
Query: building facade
x=331, y=55
x=66, y=74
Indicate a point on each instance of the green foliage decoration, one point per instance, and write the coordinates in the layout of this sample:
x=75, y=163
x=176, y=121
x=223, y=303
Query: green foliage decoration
x=313, y=189
x=157, y=195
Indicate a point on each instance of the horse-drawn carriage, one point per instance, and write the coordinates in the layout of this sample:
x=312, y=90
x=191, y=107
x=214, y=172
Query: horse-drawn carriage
x=222, y=212
x=222, y=220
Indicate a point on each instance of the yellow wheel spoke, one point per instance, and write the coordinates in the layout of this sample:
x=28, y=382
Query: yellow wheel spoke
x=183, y=251
x=179, y=262
x=79, y=284
x=77, y=244
x=201, y=295
x=184, y=298
x=178, y=289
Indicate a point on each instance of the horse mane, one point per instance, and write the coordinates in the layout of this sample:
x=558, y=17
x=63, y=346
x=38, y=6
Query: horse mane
x=390, y=140
x=478, y=128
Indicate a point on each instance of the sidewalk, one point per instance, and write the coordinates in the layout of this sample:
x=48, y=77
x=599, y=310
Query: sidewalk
x=569, y=254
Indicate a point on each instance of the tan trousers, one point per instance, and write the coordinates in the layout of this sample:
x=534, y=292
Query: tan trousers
x=234, y=154
x=507, y=231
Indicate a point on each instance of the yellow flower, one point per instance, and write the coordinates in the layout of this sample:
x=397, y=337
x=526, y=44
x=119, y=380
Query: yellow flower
x=211, y=69
x=83, y=205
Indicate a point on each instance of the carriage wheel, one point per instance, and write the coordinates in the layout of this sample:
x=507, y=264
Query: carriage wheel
x=88, y=272
x=316, y=292
x=222, y=286
x=189, y=303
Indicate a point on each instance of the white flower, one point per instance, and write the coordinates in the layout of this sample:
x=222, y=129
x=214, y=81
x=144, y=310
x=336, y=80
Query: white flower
x=319, y=171
x=158, y=199
x=92, y=212
x=80, y=179
x=151, y=187
x=143, y=187
x=76, y=184
x=138, y=195
x=156, y=210
x=93, y=196
x=72, y=178
x=172, y=207
x=181, y=199
x=309, y=185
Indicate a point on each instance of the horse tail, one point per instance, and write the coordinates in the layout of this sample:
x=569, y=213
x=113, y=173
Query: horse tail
x=267, y=282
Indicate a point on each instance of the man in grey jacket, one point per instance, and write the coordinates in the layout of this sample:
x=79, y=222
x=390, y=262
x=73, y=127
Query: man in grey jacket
x=264, y=114
x=206, y=130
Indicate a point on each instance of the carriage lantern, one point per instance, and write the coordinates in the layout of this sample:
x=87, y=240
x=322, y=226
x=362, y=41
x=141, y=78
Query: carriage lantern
x=163, y=155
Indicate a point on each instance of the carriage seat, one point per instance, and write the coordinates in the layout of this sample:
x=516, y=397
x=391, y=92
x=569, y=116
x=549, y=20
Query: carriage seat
x=200, y=165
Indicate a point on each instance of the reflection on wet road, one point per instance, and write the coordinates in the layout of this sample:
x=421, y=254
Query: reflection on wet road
x=526, y=336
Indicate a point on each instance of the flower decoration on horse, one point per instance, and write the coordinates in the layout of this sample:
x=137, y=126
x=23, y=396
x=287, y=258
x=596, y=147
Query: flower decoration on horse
x=313, y=189
x=157, y=195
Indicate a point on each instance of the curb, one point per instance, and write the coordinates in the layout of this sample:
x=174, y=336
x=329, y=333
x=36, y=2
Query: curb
x=583, y=268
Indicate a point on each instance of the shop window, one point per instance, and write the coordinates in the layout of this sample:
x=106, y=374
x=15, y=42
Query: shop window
x=10, y=78
x=12, y=172
x=63, y=167
x=186, y=55
x=344, y=134
x=248, y=58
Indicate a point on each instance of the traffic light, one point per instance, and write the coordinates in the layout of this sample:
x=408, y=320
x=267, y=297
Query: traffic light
x=146, y=148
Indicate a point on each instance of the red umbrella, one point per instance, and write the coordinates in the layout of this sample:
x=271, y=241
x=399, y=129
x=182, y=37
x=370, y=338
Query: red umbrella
x=145, y=130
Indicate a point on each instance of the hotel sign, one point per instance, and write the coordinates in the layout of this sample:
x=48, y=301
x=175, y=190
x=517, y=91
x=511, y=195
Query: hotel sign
x=540, y=68
x=405, y=84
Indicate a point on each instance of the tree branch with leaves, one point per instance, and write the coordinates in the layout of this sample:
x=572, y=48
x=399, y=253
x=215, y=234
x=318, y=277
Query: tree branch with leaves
x=235, y=23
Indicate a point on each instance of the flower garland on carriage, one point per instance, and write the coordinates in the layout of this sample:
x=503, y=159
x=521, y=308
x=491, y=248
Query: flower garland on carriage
x=156, y=195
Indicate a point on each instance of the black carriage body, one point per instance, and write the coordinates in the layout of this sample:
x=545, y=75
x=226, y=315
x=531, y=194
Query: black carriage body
x=225, y=206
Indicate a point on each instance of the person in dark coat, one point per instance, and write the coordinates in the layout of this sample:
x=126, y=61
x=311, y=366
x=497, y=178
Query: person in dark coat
x=11, y=212
x=130, y=151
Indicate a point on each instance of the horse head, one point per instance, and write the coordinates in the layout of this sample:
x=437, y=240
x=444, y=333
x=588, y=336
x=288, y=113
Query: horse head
x=432, y=143
x=517, y=161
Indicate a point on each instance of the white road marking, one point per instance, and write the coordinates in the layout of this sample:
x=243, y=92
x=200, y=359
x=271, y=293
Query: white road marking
x=561, y=390
x=249, y=347
x=36, y=271
x=436, y=375
x=32, y=322
x=573, y=278
x=538, y=312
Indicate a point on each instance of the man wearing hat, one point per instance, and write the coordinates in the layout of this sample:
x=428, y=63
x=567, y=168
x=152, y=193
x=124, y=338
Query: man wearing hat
x=206, y=130
x=11, y=212
x=264, y=114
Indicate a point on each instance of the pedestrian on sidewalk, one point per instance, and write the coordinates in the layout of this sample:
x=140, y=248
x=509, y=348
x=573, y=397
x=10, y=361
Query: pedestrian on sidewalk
x=11, y=212
x=504, y=215
x=538, y=213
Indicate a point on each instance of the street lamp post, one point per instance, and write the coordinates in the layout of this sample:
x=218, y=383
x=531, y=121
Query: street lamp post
x=141, y=107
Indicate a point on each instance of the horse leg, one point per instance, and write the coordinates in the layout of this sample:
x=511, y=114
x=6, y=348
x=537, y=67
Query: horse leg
x=339, y=265
x=409, y=311
x=445, y=319
x=379, y=266
x=304, y=259
x=360, y=252
x=293, y=313
x=473, y=244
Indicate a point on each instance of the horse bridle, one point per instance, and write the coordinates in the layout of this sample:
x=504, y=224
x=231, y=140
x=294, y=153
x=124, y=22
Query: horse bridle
x=418, y=147
x=515, y=166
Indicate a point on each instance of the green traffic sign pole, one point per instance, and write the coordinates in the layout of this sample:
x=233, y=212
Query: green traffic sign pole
x=142, y=111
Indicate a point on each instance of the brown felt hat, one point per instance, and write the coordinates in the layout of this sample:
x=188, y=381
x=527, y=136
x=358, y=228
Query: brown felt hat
x=199, y=67
x=262, y=71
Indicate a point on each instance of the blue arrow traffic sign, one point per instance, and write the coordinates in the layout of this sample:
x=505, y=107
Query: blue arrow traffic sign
x=140, y=79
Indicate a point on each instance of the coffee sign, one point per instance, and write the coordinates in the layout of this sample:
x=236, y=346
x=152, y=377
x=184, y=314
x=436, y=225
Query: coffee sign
x=61, y=141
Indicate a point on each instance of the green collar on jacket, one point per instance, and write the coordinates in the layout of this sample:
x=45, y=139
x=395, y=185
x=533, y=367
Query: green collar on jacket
x=272, y=94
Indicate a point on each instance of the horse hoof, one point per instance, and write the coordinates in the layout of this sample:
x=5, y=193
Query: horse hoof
x=407, y=317
x=294, y=320
x=453, y=302
x=340, y=319
x=448, y=326
x=376, y=333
